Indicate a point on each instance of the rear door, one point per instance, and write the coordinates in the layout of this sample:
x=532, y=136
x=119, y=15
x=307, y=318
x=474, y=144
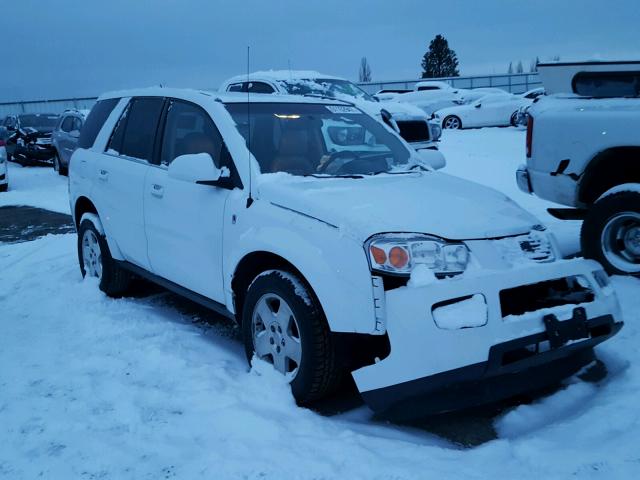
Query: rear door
x=120, y=175
x=184, y=220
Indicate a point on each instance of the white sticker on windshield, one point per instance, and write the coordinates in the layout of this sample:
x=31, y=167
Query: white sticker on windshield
x=342, y=109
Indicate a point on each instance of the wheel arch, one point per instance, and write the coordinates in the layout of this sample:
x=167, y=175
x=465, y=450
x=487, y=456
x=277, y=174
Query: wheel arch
x=607, y=169
x=83, y=205
x=252, y=265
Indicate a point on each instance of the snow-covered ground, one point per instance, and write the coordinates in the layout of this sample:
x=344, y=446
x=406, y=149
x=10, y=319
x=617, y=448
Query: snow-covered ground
x=97, y=388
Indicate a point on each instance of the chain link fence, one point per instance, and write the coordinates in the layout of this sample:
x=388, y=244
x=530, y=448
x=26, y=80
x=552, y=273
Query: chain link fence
x=515, y=83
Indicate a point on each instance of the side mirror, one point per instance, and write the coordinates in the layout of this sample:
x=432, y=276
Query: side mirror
x=477, y=105
x=432, y=158
x=199, y=168
x=74, y=133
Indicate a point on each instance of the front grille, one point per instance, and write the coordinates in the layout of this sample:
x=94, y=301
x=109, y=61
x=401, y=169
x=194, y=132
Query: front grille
x=533, y=247
x=572, y=290
x=414, y=130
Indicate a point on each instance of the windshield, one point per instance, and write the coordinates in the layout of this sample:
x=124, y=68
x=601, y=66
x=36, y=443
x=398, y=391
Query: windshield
x=328, y=87
x=39, y=121
x=313, y=139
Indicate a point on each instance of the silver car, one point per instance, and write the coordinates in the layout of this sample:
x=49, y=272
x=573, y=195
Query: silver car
x=65, y=138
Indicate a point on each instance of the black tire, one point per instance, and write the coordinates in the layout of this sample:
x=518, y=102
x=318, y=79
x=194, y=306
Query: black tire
x=57, y=167
x=4, y=187
x=451, y=118
x=601, y=214
x=318, y=374
x=114, y=281
x=514, y=119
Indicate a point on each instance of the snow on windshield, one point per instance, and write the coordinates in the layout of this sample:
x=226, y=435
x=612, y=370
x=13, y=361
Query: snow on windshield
x=314, y=139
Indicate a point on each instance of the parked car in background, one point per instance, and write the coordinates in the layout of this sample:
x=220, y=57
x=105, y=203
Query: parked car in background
x=411, y=122
x=4, y=169
x=329, y=260
x=29, y=137
x=65, y=138
x=583, y=151
x=491, y=110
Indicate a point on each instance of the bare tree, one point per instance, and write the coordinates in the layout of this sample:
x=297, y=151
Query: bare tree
x=364, y=74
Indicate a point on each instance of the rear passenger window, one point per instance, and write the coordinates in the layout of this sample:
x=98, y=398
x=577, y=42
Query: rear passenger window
x=235, y=87
x=95, y=121
x=135, y=132
x=189, y=130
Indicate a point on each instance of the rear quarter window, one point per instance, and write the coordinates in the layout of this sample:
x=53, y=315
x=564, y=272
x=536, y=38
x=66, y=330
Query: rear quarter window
x=607, y=84
x=95, y=121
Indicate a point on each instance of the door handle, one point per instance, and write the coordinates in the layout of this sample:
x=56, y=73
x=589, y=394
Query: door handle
x=103, y=175
x=157, y=190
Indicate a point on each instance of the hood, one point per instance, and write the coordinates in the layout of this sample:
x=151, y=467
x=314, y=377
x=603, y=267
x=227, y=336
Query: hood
x=421, y=202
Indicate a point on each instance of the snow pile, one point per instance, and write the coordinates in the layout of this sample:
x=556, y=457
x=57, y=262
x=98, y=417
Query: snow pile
x=421, y=276
x=36, y=187
x=471, y=312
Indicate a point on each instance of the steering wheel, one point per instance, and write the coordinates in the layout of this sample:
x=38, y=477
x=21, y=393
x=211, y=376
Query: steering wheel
x=337, y=156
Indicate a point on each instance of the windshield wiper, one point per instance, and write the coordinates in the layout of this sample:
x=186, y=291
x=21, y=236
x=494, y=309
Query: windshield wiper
x=315, y=175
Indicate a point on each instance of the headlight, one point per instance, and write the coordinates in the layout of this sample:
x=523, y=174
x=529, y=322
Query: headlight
x=436, y=131
x=399, y=254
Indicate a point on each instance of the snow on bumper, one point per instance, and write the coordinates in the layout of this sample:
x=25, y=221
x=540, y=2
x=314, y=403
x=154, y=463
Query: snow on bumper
x=421, y=350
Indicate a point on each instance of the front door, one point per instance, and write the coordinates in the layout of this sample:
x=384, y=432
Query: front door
x=184, y=220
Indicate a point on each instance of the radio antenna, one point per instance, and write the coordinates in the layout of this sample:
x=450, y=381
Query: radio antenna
x=250, y=198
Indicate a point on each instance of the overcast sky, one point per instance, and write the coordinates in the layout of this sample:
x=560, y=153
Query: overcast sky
x=69, y=48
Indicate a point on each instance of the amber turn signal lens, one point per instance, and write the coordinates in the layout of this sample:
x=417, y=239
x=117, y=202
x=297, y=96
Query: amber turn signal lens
x=379, y=255
x=398, y=257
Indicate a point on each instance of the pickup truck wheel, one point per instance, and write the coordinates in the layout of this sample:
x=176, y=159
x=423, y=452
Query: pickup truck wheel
x=611, y=233
x=96, y=261
x=284, y=325
x=452, y=122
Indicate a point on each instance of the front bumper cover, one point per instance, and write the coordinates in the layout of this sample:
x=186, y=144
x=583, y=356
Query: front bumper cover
x=425, y=359
x=509, y=371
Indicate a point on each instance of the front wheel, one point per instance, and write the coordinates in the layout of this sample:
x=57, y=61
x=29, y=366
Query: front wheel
x=611, y=233
x=96, y=261
x=452, y=122
x=284, y=325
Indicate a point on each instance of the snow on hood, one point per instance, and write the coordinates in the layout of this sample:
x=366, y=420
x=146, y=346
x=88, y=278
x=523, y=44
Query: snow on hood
x=420, y=202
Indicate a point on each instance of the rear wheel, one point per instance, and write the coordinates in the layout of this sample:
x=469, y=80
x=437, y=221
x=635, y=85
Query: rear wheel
x=452, y=122
x=96, y=261
x=284, y=325
x=611, y=233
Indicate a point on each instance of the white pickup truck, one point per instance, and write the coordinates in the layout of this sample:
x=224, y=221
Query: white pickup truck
x=583, y=151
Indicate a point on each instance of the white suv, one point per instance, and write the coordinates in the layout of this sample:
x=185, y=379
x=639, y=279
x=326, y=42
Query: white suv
x=334, y=246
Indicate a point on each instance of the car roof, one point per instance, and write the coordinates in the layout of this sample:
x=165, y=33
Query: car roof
x=199, y=96
x=279, y=75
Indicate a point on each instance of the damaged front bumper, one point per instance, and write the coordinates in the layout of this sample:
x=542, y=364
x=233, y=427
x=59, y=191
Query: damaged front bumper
x=432, y=369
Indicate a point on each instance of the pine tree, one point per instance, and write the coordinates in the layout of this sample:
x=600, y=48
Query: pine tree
x=364, y=73
x=510, y=71
x=519, y=68
x=439, y=60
